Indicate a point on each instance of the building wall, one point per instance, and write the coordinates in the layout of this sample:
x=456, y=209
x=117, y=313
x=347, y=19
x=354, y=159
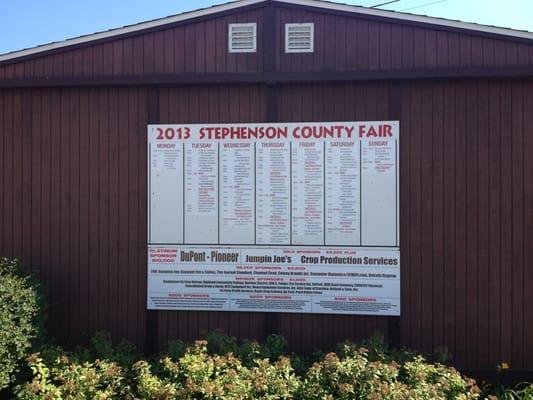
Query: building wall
x=342, y=43
x=73, y=207
x=200, y=47
x=348, y=43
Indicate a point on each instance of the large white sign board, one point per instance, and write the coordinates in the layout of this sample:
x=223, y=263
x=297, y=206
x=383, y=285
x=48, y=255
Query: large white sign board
x=295, y=217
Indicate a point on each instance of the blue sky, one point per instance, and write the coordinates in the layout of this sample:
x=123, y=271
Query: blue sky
x=27, y=23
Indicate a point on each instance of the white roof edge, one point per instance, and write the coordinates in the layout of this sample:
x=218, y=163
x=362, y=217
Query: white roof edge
x=327, y=5
x=129, y=29
x=411, y=17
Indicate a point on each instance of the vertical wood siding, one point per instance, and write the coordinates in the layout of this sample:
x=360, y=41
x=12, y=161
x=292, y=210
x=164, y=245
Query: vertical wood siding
x=72, y=169
x=342, y=43
x=73, y=207
x=200, y=47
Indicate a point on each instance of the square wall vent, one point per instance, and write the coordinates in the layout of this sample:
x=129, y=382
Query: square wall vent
x=299, y=38
x=243, y=38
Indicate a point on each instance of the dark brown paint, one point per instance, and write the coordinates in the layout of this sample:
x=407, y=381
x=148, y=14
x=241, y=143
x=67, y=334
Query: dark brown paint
x=73, y=171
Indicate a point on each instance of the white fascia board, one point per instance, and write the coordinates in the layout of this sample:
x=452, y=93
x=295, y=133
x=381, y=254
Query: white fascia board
x=410, y=17
x=129, y=29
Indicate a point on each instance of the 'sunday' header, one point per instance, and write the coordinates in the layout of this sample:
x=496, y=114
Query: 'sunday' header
x=284, y=131
x=284, y=217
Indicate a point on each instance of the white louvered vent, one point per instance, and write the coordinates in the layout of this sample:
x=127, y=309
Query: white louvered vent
x=299, y=38
x=243, y=38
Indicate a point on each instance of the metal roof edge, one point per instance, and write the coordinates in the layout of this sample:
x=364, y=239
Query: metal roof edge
x=402, y=16
x=129, y=29
x=319, y=4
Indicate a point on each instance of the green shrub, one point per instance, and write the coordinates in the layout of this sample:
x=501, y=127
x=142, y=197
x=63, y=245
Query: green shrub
x=249, y=351
x=176, y=349
x=201, y=375
x=357, y=377
x=21, y=318
x=522, y=391
x=225, y=369
x=101, y=347
x=67, y=379
x=195, y=375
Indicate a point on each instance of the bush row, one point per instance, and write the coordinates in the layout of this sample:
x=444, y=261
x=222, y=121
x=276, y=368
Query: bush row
x=218, y=368
x=215, y=368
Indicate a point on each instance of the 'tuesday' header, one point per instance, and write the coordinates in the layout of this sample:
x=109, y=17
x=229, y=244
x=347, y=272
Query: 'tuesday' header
x=280, y=131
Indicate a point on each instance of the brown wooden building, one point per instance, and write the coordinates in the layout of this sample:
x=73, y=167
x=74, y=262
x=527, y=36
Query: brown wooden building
x=73, y=201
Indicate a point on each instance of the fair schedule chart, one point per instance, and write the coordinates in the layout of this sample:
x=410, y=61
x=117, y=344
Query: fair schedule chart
x=229, y=202
x=340, y=190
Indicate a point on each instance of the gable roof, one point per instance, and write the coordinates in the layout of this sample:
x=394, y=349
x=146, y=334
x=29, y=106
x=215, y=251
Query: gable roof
x=235, y=5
